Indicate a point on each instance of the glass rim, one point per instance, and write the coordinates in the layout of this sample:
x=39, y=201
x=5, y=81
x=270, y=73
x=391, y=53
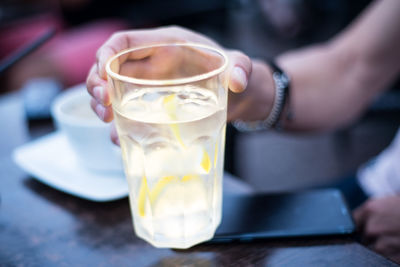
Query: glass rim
x=190, y=79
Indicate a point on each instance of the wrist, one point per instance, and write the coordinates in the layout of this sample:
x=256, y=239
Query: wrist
x=265, y=84
x=277, y=97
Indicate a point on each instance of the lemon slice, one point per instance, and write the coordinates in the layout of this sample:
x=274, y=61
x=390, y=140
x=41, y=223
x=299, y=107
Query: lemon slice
x=160, y=185
x=206, y=162
x=169, y=103
x=215, y=154
x=167, y=180
x=159, y=188
x=177, y=134
x=190, y=177
x=142, y=196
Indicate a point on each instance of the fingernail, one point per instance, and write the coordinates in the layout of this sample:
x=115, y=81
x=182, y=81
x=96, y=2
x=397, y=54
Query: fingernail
x=240, y=76
x=100, y=110
x=116, y=141
x=98, y=93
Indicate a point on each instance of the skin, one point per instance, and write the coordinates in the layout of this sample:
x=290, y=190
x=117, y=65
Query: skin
x=238, y=71
x=378, y=222
x=96, y=81
x=332, y=84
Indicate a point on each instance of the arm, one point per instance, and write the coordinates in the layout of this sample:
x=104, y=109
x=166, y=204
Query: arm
x=333, y=83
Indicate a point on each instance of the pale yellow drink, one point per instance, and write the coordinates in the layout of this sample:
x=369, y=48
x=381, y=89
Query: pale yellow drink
x=169, y=103
x=172, y=141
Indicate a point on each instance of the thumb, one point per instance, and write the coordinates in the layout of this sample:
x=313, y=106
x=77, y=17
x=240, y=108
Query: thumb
x=239, y=71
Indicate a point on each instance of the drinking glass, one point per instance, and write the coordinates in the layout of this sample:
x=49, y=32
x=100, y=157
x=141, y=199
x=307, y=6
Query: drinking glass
x=169, y=103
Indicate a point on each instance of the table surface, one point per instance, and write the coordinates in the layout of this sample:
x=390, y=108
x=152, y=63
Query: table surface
x=40, y=226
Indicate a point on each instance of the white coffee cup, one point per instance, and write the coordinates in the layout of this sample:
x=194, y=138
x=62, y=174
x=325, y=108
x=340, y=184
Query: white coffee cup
x=87, y=134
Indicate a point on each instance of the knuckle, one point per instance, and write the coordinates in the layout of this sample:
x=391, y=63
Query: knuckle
x=240, y=55
x=175, y=28
x=93, y=104
x=117, y=35
x=90, y=79
x=368, y=206
x=234, y=52
x=380, y=247
x=372, y=230
x=247, y=58
x=371, y=206
x=89, y=83
x=241, y=59
x=98, y=53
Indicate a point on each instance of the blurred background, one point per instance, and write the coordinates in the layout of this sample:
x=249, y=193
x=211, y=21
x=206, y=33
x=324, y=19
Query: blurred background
x=261, y=28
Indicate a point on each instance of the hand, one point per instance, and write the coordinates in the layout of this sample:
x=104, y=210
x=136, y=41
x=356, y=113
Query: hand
x=238, y=71
x=379, y=223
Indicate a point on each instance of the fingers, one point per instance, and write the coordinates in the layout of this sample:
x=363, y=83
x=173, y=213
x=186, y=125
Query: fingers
x=367, y=221
x=114, y=135
x=380, y=228
x=360, y=216
x=387, y=244
x=239, y=71
x=103, y=112
x=97, y=78
x=117, y=42
x=123, y=40
x=97, y=87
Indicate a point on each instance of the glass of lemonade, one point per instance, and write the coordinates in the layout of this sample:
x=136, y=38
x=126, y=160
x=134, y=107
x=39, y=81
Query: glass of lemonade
x=169, y=103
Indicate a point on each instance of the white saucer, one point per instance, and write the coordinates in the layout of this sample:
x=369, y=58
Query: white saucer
x=50, y=160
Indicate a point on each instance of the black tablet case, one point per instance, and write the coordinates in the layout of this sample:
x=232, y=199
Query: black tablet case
x=284, y=215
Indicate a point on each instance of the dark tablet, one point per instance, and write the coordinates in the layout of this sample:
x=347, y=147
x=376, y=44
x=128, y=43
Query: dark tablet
x=284, y=215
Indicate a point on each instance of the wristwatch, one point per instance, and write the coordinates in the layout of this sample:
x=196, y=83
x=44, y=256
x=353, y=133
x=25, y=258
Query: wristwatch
x=282, y=86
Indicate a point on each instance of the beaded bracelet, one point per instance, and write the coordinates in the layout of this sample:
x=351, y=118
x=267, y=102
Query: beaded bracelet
x=282, y=85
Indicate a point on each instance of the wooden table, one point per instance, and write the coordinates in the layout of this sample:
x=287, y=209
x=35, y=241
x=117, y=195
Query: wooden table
x=40, y=226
